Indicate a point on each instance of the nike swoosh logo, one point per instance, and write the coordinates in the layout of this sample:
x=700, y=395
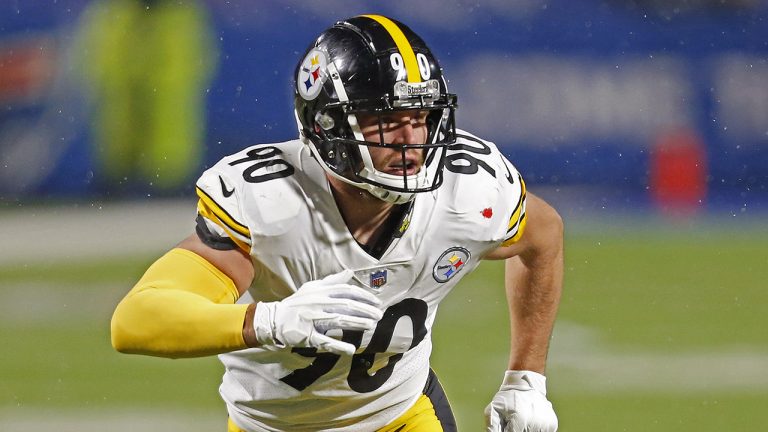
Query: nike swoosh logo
x=508, y=175
x=224, y=191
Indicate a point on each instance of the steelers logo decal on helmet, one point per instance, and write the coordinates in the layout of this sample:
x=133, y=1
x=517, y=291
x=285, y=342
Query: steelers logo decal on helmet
x=450, y=264
x=311, y=74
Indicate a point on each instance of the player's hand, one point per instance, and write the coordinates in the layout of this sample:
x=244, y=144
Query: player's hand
x=521, y=405
x=303, y=318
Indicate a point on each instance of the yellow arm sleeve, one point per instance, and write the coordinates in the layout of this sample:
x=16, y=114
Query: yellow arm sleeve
x=183, y=306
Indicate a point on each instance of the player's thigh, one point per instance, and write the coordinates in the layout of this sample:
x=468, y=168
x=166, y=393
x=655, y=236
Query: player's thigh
x=232, y=427
x=420, y=418
x=430, y=413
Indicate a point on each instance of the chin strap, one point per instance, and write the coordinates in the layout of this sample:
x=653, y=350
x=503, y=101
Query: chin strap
x=390, y=196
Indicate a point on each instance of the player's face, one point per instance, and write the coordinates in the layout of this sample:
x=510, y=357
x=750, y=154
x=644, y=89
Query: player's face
x=401, y=127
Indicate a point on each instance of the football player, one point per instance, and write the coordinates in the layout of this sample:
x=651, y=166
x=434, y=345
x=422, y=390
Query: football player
x=318, y=264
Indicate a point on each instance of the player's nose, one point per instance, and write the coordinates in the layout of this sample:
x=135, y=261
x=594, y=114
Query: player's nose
x=405, y=132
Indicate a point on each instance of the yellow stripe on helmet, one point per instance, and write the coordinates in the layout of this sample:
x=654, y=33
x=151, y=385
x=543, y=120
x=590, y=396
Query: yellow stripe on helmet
x=409, y=57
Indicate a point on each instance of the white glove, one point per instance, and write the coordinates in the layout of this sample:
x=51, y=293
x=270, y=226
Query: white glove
x=303, y=318
x=521, y=405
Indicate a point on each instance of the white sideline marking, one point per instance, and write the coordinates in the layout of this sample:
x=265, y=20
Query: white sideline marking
x=76, y=232
x=35, y=303
x=580, y=362
x=80, y=420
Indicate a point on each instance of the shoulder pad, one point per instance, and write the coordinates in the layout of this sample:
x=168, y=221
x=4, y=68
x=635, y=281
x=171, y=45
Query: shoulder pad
x=484, y=186
x=256, y=188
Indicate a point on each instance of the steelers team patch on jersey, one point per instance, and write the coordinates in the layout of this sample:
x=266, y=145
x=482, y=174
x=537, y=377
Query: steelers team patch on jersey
x=312, y=74
x=450, y=264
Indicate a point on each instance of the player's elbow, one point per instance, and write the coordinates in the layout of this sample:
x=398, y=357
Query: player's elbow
x=124, y=340
x=554, y=227
x=549, y=227
x=134, y=328
x=120, y=342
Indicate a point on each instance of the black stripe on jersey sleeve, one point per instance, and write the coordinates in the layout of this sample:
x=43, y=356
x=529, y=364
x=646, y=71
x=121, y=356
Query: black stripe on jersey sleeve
x=212, y=239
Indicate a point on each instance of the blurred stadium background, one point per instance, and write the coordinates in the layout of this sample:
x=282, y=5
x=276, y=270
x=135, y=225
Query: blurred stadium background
x=644, y=122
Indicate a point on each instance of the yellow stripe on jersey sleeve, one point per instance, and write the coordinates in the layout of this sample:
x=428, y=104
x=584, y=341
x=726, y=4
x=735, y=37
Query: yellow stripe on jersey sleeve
x=518, y=219
x=520, y=229
x=222, y=214
x=405, y=48
x=236, y=231
x=206, y=212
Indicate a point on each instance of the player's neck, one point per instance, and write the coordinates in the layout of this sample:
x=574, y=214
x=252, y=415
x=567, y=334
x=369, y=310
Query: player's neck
x=364, y=214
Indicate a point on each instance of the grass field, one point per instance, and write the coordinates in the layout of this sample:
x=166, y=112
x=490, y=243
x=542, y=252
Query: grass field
x=659, y=330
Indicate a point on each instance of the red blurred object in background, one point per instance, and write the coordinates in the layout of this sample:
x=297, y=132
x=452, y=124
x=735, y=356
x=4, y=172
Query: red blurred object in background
x=678, y=173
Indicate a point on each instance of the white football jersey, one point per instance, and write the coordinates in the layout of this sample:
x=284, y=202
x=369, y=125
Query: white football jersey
x=274, y=202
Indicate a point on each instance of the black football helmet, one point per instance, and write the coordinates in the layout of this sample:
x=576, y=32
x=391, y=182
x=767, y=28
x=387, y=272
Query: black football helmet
x=372, y=65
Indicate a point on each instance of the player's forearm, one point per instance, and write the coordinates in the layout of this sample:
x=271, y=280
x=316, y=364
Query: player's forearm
x=534, y=282
x=182, y=307
x=168, y=323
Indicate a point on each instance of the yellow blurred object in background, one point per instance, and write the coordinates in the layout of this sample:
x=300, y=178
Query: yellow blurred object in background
x=146, y=66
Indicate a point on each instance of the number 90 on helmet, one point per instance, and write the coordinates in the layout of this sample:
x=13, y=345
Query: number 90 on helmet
x=372, y=65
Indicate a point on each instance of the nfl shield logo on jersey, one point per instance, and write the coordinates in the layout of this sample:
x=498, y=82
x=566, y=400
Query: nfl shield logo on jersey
x=378, y=278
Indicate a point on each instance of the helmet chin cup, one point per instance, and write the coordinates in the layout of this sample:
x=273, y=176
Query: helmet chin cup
x=390, y=196
x=386, y=186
